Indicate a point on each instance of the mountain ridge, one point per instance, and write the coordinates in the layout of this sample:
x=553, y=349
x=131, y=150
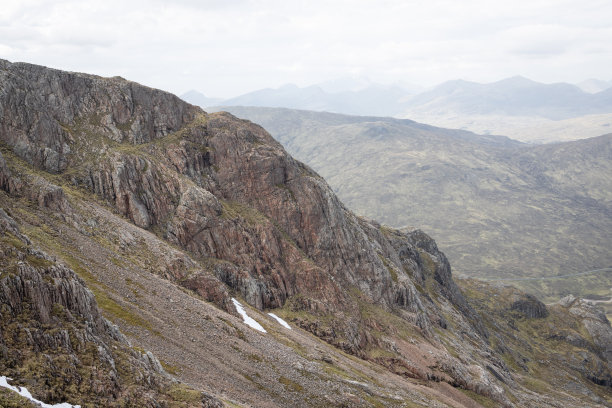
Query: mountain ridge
x=169, y=211
x=513, y=96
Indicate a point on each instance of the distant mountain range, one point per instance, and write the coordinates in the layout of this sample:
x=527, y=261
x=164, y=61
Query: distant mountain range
x=199, y=99
x=515, y=96
x=497, y=207
x=516, y=107
x=594, y=85
x=371, y=100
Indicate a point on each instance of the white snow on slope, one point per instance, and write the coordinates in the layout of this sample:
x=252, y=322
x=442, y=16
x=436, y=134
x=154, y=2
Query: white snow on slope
x=26, y=394
x=247, y=320
x=280, y=321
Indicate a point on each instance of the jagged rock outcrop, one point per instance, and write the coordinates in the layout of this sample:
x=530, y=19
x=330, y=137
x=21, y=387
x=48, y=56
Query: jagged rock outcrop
x=54, y=339
x=36, y=103
x=223, y=189
x=246, y=201
x=35, y=188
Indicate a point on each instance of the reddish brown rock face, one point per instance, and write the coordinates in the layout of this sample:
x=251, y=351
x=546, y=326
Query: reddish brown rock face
x=222, y=189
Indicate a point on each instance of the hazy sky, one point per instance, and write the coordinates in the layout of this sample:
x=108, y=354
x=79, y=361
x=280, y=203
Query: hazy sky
x=228, y=47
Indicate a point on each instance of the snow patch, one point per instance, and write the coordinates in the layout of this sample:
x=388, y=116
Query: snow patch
x=247, y=320
x=26, y=394
x=280, y=321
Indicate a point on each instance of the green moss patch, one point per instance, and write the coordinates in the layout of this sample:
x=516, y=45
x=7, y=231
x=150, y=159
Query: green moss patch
x=290, y=385
x=38, y=262
x=482, y=400
x=183, y=394
x=234, y=210
x=12, y=240
x=10, y=399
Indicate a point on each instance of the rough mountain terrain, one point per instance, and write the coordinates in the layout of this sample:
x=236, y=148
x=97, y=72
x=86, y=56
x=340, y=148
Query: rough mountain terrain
x=498, y=208
x=56, y=342
x=166, y=212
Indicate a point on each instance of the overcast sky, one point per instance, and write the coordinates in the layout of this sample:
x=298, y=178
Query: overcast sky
x=229, y=47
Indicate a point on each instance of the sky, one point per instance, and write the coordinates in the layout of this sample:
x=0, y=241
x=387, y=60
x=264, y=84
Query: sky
x=225, y=48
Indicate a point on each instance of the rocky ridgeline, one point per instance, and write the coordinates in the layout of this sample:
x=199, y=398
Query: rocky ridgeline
x=37, y=103
x=262, y=223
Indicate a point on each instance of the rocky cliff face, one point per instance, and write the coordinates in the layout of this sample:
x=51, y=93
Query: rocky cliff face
x=246, y=219
x=38, y=102
x=221, y=188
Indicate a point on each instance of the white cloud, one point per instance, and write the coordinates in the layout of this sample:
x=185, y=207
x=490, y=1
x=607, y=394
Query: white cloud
x=230, y=47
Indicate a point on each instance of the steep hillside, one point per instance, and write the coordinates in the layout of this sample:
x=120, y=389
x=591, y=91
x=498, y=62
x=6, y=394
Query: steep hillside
x=168, y=213
x=498, y=208
x=55, y=341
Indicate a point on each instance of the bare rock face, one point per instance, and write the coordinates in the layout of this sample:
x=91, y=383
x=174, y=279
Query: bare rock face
x=37, y=104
